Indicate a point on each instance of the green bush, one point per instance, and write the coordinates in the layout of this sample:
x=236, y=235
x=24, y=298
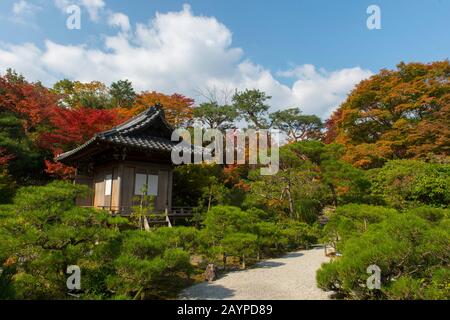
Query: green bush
x=7, y=186
x=407, y=183
x=240, y=245
x=43, y=232
x=431, y=214
x=299, y=234
x=261, y=234
x=411, y=252
x=147, y=260
x=221, y=222
x=353, y=219
x=307, y=209
x=270, y=239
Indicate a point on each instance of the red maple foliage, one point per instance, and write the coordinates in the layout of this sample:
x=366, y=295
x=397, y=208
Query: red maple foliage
x=50, y=126
x=59, y=170
x=72, y=127
x=31, y=102
x=5, y=157
x=331, y=127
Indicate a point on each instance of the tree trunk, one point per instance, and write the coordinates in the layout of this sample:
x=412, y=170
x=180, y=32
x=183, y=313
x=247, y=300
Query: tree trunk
x=210, y=198
x=333, y=192
x=291, y=203
x=138, y=295
x=146, y=225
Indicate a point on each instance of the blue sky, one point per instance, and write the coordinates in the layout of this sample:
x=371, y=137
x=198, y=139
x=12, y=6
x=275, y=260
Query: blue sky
x=304, y=53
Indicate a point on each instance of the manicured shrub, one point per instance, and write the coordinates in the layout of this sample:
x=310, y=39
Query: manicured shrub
x=242, y=245
x=43, y=232
x=221, y=222
x=408, y=249
x=146, y=260
x=270, y=239
x=298, y=234
x=352, y=219
x=262, y=234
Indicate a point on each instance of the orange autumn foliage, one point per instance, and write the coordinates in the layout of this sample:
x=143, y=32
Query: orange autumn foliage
x=396, y=114
x=178, y=108
x=234, y=176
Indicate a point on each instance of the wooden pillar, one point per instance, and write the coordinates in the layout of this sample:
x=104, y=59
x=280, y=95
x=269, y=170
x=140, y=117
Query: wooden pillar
x=169, y=189
x=120, y=177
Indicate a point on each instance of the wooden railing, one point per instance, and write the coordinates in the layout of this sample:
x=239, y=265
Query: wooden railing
x=174, y=212
x=181, y=212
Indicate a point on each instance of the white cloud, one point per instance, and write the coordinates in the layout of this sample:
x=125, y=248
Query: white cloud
x=25, y=58
x=319, y=91
x=93, y=7
x=180, y=52
x=23, y=13
x=23, y=8
x=119, y=20
x=62, y=4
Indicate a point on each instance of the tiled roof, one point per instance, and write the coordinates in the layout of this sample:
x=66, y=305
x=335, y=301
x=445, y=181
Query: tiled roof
x=133, y=134
x=145, y=142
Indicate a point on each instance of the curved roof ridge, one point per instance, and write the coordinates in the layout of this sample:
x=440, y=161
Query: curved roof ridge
x=121, y=133
x=135, y=122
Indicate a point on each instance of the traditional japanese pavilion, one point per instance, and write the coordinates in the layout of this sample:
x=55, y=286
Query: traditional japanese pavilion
x=118, y=163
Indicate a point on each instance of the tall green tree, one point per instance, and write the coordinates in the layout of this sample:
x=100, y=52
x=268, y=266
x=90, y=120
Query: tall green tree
x=252, y=107
x=26, y=161
x=216, y=116
x=296, y=125
x=76, y=94
x=311, y=176
x=122, y=94
x=296, y=181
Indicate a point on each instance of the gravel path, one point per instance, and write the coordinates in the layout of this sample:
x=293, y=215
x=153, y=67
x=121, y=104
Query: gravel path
x=291, y=277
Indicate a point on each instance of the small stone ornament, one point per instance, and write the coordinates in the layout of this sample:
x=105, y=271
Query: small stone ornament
x=210, y=273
